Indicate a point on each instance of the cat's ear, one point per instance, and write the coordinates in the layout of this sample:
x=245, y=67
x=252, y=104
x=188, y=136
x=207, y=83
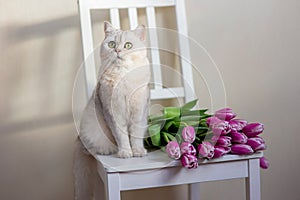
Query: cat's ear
x=108, y=28
x=140, y=31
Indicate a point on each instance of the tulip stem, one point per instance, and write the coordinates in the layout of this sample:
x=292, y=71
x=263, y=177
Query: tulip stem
x=204, y=134
x=183, y=123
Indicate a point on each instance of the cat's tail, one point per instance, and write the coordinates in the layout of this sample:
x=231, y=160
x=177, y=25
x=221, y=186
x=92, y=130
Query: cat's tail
x=85, y=171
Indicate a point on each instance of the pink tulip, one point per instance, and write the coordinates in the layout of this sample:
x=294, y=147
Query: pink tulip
x=211, y=121
x=253, y=129
x=256, y=143
x=238, y=137
x=206, y=150
x=225, y=114
x=221, y=128
x=264, y=163
x=189, y=161
x=224, y=141
x=188, y=134
x=219, y=151
x=187, y=148
x=241, y=149
x=238, y=124
x=260, y=139
x=227, y=149
x=215, y=138
x=173, y=150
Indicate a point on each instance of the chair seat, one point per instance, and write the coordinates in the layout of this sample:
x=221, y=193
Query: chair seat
x=157, y=160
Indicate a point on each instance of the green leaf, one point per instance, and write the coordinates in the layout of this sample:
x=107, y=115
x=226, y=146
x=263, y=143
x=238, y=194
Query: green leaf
x=193, y=123
x=190, y=113
x=189, y=105
x=170, y=136
x=154, y=131
x=190, y=118
x=161, y=120
x=165, y=136
x=147, y=142
x=171, y=126
x=155, y=117
x=178, y=138
x=171, y=112
x=202, y=112
x=167, y=126
x=203, y=123
x=202, y=129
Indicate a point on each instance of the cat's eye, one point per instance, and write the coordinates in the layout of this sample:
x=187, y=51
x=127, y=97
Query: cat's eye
x=111, y=44
x=128, y=45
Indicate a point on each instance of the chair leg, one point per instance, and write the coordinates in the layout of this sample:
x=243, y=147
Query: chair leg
x=253, y=180
x=113, y=187
x=194, y=191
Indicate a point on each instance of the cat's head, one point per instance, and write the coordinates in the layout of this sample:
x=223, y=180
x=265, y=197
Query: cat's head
x=123, y=46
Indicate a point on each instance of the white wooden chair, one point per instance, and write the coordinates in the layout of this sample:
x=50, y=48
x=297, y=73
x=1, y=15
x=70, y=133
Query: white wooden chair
x=156, y=169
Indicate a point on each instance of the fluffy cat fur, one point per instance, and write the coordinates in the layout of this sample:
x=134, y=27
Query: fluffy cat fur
x=115, y=118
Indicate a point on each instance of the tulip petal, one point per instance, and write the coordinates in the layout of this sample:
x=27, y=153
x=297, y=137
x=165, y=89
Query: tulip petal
x=238, y=124
x=212, y=121
x=264, y=163
x=224, y=141
x=256, y=143
x=241, y=149
x=253, y=129
x=219, y=151
x=189, y=161
x=206, y=150
x=188, y=134
x=173, y=150
x=187, y=148
x=225, y=114
x=238, y=137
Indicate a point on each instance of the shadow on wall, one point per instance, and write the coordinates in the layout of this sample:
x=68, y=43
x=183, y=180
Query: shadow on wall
x=39, y=63
x=38, y=67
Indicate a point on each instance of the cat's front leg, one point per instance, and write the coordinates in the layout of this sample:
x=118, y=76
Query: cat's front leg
x=138, y=124
x=118, y=125
x=137, y=141
x=122, y=139
x=124, y=149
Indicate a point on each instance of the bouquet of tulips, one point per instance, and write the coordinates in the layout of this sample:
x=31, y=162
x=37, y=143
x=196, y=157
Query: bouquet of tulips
x=190, y=135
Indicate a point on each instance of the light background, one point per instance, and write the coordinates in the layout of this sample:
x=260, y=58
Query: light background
x=255, y=44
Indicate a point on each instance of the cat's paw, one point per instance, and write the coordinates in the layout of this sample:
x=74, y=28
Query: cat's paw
x=125, y=154
x=139, y=152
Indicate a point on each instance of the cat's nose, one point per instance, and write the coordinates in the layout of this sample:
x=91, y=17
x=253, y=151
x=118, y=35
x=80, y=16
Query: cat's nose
x=118, y=50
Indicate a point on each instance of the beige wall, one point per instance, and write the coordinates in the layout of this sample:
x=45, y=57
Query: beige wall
x=255, y=44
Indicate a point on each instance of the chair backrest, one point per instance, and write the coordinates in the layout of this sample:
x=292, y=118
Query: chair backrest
x=158, y=92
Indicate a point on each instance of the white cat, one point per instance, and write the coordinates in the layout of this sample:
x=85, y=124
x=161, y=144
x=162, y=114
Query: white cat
x=115, y=119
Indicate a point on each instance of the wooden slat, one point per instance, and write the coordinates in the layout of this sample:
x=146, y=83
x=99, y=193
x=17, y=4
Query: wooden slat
x=253, y=181
x=88, y=48
x=184, y=50
x=195, y=191
x=154, y=47
x=115, y=17
x=133, y=18
x=107, y=4
x=113, y=191
x=167, y=93
x=179, y=175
